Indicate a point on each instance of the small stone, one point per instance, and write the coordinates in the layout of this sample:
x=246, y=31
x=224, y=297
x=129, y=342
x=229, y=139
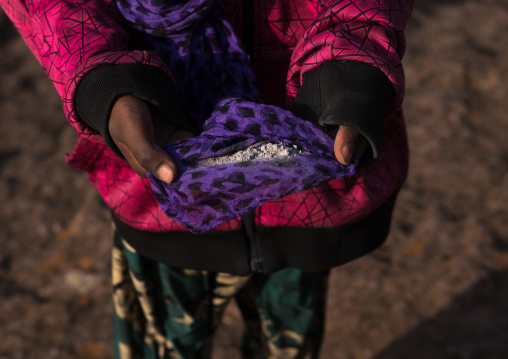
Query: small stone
x=81, y=282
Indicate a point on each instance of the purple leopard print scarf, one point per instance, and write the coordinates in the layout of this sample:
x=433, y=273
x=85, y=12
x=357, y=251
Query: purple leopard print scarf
x=247, y=152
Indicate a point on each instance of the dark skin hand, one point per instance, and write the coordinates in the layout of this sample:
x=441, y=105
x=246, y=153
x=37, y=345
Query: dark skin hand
x=139, y=133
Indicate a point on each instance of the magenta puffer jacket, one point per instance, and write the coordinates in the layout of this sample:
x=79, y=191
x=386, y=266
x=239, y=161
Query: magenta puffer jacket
x=291, y=37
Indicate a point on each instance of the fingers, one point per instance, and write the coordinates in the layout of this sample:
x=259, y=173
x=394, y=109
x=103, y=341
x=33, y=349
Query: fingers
x=132, y=130
x=349, y=141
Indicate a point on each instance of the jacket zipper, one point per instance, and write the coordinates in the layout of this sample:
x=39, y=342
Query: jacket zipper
x=248, y=219
x=249, y=224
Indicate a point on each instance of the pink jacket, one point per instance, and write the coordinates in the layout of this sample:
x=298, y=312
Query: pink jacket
x=71, y=37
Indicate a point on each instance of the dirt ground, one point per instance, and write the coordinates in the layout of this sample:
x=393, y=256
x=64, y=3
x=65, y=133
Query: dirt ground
x=437, y=289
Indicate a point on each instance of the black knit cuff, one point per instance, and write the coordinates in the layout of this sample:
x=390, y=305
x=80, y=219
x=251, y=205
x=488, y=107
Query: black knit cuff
x=348, y=93
x=102, y=86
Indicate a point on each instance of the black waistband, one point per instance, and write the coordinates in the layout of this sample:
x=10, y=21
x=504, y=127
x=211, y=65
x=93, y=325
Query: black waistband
x=309, y=249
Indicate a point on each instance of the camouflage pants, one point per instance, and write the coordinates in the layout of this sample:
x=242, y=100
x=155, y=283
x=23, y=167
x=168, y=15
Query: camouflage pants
x=164, y=312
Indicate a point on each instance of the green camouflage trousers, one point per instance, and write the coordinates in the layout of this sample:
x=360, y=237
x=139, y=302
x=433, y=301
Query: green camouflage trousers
x=164, y=312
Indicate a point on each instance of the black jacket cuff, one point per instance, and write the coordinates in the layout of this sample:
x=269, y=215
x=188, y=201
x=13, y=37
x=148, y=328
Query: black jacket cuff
x=349, y=93
x=102, y=86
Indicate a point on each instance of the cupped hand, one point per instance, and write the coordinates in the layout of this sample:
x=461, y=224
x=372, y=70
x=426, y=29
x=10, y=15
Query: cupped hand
x=347, y=142
x=139, y=132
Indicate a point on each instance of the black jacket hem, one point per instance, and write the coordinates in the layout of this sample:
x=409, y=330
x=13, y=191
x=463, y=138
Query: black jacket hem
x=309, y=249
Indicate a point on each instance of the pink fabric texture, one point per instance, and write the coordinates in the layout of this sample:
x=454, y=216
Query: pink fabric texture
x=71, y=37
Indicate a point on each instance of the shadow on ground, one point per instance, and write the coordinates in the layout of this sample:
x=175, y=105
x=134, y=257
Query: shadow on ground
x=473, y=326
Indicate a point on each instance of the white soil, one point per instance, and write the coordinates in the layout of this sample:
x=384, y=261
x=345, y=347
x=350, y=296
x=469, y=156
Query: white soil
x=256, y=152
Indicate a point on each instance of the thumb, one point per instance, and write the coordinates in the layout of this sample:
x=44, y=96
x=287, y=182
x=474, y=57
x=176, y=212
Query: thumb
x=145, y=156
x=349, y=141
x=155, y=160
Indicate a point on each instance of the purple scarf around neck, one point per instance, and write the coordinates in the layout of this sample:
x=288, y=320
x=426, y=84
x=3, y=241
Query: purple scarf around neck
x=199, y=46
x=217, y=89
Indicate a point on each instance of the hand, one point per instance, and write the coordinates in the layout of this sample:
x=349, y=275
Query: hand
x=139, y=132
x=347, y=142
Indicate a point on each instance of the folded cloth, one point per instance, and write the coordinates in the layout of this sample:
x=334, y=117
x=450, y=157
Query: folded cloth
x=247, y=153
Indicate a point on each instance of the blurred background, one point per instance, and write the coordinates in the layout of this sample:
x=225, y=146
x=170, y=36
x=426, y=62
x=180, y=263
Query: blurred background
x=437, y=289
